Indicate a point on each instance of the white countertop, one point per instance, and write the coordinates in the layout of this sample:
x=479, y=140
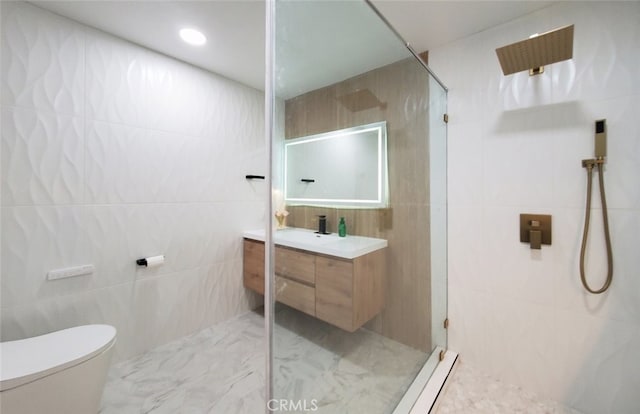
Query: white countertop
x=348, y=247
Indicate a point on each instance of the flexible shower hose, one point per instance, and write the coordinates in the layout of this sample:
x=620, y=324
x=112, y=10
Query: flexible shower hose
x=586, y=230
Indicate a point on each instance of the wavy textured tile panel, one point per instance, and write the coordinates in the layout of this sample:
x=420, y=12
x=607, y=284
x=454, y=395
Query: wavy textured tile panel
x=42, y=158
x=109, y=306
x=242, y=128
x=177, y=304
x=42, y=60
x=179, y=97
x=226, y=295
x=117, y=73
x=158, y=161
x=223, y=239
x=134, y=86
x=36, y=240
x=110, y=243
x=154, y=230
x=134, y=165
x=126, y=165
x=242, y=135
x=189, y=235
x=605, y=58
x=160, y=313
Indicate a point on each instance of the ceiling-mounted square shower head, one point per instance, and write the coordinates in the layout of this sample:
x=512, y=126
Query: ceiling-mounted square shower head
x=535, y=52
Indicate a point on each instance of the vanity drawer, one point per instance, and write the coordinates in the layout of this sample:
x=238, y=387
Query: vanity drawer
x=253, y=267
x=296, y=265
x=296, y=295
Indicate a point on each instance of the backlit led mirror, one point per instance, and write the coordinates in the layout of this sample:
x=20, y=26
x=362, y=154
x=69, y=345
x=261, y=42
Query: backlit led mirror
x=345, y=168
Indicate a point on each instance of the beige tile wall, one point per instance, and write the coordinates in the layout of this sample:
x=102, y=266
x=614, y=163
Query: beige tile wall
x=402, y=88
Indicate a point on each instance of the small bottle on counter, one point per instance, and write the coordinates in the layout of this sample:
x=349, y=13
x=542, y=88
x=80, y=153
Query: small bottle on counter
x=342, y=228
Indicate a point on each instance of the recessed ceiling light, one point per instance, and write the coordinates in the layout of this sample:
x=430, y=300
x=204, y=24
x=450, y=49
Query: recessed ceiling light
x=193, y=37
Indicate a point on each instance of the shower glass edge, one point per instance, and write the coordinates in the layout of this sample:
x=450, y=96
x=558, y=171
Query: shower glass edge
x=269, y=118
x=296, y=375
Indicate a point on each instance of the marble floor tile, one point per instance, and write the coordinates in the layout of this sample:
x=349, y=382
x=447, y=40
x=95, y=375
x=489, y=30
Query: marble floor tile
x=221, y=370
x=471, y=392
x=217, y=370
x=359, y=372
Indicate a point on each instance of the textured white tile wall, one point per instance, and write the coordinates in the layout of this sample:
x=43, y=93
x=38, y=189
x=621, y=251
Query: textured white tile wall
x=111, y=152
x=515, y=144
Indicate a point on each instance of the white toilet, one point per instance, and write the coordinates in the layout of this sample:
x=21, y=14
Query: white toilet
x=60, y=372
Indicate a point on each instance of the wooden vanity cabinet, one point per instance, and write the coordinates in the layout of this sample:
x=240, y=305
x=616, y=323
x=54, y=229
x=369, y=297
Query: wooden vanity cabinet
x=343, y=292
x=253, y=265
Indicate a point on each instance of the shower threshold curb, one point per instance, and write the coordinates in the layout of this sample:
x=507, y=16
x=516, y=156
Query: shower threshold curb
x=423, y=394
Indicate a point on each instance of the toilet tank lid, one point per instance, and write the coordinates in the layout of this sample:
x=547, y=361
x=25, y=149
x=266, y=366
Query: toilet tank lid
x=26, y=360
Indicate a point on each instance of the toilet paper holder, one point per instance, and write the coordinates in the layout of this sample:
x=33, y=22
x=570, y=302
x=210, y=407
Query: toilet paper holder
x=151, y=261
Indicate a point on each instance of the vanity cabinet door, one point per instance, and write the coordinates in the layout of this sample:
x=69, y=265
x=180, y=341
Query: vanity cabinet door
x=253, y=267
x=334, y=292
x=296, y=265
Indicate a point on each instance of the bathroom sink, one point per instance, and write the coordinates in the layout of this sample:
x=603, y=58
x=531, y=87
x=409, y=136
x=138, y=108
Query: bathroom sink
x=294, y=235
x=348, y=247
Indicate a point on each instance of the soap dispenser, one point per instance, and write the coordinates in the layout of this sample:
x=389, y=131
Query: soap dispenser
x=342, y=228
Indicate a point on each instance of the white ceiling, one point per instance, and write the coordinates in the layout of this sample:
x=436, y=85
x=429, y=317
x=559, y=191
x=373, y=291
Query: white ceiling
x=320, y=43
x=235, y=32
x=427, y=24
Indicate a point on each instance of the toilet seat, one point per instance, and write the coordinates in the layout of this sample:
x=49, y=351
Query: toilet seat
x=26, y=360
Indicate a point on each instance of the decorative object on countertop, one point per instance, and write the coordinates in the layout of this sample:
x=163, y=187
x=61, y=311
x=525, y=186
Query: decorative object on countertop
x=342, y=228
x=279, y=209
x=281, y=217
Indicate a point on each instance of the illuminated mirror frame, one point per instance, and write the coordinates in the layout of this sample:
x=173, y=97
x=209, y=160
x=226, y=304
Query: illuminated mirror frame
x=382, y=199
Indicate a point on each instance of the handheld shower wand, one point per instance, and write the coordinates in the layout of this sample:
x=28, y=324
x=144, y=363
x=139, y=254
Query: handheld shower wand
x=598, y=162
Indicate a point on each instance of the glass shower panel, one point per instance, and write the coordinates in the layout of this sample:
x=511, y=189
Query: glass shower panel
x=438, y=211
x=355, y=318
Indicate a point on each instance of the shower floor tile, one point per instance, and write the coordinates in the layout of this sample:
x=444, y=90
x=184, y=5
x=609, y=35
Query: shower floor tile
x=221, y=370
x=471, y=392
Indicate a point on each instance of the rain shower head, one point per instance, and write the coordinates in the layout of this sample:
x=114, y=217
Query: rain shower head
x=360, y=99
x=537, y=51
